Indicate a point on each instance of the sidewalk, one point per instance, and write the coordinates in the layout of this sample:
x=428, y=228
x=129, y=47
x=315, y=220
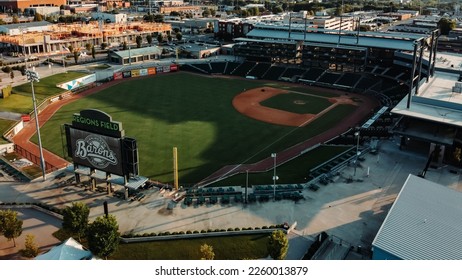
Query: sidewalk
x=352, y=212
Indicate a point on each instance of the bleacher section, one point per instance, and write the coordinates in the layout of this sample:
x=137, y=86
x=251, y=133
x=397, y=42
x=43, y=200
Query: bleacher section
x=292, y=73
x=348, y=80
x=204, y=67
x=329, y=78
x=218, y=67
x=313, y=74
x=274, y=73
x=243, y=69
x=259, y=70
x=365, y=83
x=230, y=67
x=192, y=68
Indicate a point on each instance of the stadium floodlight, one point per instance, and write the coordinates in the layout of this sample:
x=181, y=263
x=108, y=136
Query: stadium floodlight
x=32, y=77
x=274, y=156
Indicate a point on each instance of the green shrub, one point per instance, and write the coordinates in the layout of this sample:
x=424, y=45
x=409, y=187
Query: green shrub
x=195, y=231
x=230, y=229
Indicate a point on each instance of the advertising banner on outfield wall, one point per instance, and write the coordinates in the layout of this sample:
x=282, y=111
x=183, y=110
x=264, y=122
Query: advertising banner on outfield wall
x=135, y=72
x=98, y=151
x=143, y=72
x=127, y=74
x=79, y=82
x=166, y=69
x=118, y=76
x=159, y=69
x=173, y=67
x=151, y=71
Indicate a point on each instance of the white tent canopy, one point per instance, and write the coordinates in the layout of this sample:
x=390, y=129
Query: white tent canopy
x=68, y=250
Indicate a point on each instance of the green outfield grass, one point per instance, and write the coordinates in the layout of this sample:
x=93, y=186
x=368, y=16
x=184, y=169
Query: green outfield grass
x=293, y=172
x=193, y=113
x=251, y=246
x=297, y=103
x=20, y=101
x=4, y=125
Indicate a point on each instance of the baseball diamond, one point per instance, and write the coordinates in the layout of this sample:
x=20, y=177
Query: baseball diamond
x=202, y=122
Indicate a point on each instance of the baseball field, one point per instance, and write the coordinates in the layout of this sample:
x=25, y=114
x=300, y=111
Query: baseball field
x=201, y=116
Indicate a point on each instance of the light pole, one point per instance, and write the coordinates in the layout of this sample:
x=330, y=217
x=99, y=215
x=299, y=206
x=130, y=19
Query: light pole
x=246, y=185
x=32, y=77
x=274, y=156
x=357, y=151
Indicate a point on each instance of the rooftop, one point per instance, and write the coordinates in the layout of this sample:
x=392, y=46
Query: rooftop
x=436, y=100
x=423, y=223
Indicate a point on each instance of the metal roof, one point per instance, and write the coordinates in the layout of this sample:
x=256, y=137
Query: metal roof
x=139, y=51
x=424, y=223
x=26, y=25
x=377, y=40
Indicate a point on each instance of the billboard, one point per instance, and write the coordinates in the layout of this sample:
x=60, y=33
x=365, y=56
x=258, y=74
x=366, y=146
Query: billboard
x=173, y=67
x=118, y=75
x=96, y=151
x=127, y=74
x=79, y=82
x=151, y=71
x=143, y=72
x=135, y=72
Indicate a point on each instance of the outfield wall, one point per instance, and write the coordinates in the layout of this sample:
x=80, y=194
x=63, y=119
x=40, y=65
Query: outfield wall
x=123, y=74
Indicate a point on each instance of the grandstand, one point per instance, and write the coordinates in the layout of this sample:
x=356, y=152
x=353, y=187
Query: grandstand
x=274, y=72
x=243, y=69
x=259, y=70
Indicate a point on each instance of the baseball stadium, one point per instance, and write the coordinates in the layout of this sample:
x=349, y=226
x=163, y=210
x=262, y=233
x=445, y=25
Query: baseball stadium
x=275, y=121
x=280, y=97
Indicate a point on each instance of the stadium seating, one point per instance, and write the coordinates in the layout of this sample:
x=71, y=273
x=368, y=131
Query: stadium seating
x=205, y=67
x=329, y=78
x=313, y=74
x=274, y=72
x=365, y=83
x=191, y=68
x=292, y=73
x=230, y=67
x=243, y=69
x=348, y=80
x=259, y=70
x=218, y=67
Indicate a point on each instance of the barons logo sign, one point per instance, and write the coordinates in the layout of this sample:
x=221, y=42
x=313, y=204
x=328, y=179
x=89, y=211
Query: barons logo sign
x=94, y=149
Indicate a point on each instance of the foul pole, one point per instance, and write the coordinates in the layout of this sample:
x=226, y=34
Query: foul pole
x=175, y=168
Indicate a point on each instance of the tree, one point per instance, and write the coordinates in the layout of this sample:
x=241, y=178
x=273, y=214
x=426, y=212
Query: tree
x=93, y=52
x=278, y=245
x=88, y=46
x=10, y=225
x=103, y=236
x=15, y=19
x=38, y=17
x=76, y=56
x=445, y=25
x=71, y=48
x=12, y=75
x=160, y=38
x=158, y=18
x=138, y=40
x=149, y=39
x=103, y=46
x=31, y=249
x=75, y=218
x=179, y=36
x=207, y=252
x=124, y=46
